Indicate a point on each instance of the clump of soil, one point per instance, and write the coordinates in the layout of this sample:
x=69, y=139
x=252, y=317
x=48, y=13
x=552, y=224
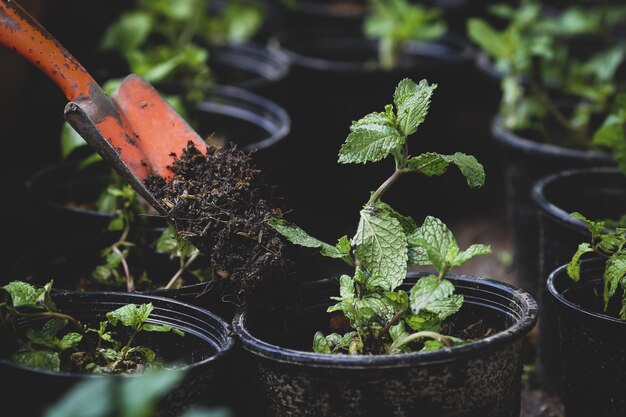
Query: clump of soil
x=222, y=203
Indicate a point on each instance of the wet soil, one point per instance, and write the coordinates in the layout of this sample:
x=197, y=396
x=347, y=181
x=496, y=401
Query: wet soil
x=222, y=203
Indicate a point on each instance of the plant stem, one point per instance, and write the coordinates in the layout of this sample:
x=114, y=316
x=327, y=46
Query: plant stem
x=182, y=269
x=394, y=320
x=128, y=345
x=130, y=284
x=384, y=187
x=419, y=335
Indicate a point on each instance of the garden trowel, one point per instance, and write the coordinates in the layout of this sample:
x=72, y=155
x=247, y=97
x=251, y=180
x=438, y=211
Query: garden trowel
x=136, y=131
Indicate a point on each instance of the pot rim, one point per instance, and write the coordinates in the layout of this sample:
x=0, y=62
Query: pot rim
x=141, y=298
x=465, y=52
x=511, y=140
x=560, y=273
x=256, y=111
x=267, y=64
x=553, y=211
x=523, y=325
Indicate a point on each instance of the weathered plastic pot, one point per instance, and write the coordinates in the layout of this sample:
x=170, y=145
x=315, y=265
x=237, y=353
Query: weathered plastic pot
x=335, y=79
x=593, y=352
x=68, y=261
x=204, y=352
x=479, y=378
x=526, y=161
x=597, y=193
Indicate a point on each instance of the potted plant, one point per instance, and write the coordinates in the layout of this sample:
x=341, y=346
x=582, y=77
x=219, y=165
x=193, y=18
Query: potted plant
x=53, y=341
x=591, y=312
x=553, y=99
x=392, y=344
x=332, y=78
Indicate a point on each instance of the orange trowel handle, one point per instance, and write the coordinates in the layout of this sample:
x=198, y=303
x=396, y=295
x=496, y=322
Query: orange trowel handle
x=22, y=34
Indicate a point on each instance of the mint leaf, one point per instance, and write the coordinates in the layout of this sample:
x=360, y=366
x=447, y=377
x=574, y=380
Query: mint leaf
x=614, y=272
x=424, y=321
x=381, y=246
x=446, y=307
x=428, y=290
x=53, y=327
x=469, y=253
x=595, y=228
x=573, y=267
x=130, y=315
x=40, y=359
x=430, y=345
x=320, y=344
x=24, y=295
x=412, y=102
x=162, y=328
x=433, y=164
x=297, y=236
x=398, y=331
x=371, y=139
x=346, y=287
x=129, y=32
x=70, y=140
x=437, y=242
x=407, y=223
x=488, y=38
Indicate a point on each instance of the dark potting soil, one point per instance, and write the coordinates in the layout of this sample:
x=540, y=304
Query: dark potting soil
x=222, y=202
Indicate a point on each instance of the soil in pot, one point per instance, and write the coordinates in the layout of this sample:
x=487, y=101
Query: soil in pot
x=480, y=378
x=204, y=353
x=597, y=193
x=592, y=349
x=222, y=202
x=526, y=161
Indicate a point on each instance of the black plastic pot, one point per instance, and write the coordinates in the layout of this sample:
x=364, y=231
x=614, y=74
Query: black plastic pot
x=597, y=193
x=252, y=66
x=335, y=79
x=593, y=352
x=477, y=379
x=525, y=162
x=67, y=260
x=204, y=351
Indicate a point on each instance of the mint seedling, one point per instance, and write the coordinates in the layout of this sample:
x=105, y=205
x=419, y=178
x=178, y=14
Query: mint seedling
x=394, y=22
x=610, y=246
x=53, y=348
x=382, y=318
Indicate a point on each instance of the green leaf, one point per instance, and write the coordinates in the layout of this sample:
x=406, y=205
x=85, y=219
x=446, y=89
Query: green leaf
x=297, y=236
x=40, y=359
x=614, y=272
x=130, y=315
x=573, y=267
x=488, y=38
x=437, y=242
x=320, y=344
x=128, y=33
x=139, y=395
x=91, y=398
x=70, y=140
x=595, y=228
x=428, y=290
x=381, y=246
x=146, y=352
x=433, y=164
x=163, y=328
x=24, y=295
x=430, y=345
x=412, y=102
x=424, y=321
x=407, y=223
x=400, y=299
x=346, y=287
x=469, y=253
x=371, y=139
x=70, y=340
x=446, y=307
x=398, y=331
x=53, y=327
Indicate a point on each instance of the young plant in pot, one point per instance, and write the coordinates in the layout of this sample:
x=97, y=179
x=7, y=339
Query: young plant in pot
x=334, y=70
x=52, y=341
x=396, y=344
x=554, y=97
x=599, y=194
x=589, y=298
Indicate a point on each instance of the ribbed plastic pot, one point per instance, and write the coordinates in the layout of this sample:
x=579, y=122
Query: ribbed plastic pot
x=477, y=379
x=525, y=162
x=597, y=193
x=252, y=66
x=593, y=352
x=68, y=260
x=204, y=352
x=335, y=79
